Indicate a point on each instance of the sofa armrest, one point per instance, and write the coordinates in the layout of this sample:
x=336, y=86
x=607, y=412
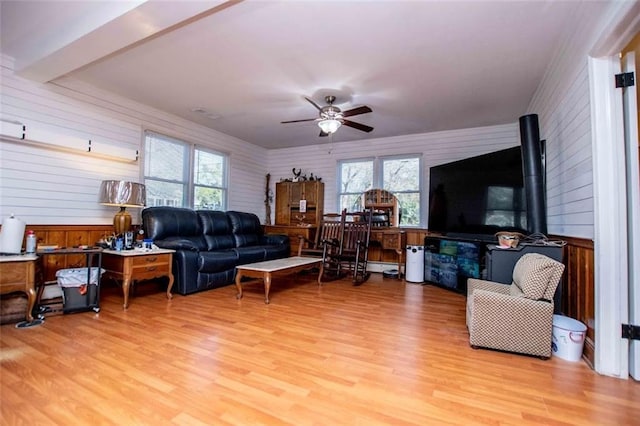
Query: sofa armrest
x=488, y=300
x=177, y=244
x=275, y=240
x=476, y=284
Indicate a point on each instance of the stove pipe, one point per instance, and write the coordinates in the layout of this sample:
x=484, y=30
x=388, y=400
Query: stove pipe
x=533, y=174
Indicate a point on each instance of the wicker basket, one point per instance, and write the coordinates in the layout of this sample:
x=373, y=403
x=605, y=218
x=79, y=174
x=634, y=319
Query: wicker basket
x=509, y=239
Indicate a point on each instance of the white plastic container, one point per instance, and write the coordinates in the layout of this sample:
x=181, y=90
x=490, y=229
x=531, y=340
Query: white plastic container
x=31, y=242
x=568, y=338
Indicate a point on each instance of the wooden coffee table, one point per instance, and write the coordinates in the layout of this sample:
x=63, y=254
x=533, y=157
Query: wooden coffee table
x=269, y=268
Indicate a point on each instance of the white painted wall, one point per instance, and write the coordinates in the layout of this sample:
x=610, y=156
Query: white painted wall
x=563, y=106
x=42, y=186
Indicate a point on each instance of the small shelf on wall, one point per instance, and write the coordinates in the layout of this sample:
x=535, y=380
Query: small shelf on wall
x=17, y=133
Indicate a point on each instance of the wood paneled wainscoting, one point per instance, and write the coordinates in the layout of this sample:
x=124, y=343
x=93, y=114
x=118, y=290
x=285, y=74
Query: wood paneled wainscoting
x=67, y=236
x=578, y=288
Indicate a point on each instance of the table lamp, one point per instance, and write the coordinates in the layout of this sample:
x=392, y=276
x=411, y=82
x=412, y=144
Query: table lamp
x=122, y=194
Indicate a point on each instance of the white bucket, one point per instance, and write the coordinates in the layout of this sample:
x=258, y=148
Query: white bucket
x=568, y=338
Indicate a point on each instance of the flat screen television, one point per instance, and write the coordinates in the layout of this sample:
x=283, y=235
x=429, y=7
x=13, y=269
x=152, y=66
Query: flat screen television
x=478, y=196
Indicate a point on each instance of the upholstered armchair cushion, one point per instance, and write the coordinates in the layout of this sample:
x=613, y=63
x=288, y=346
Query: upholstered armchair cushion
x=535, y=273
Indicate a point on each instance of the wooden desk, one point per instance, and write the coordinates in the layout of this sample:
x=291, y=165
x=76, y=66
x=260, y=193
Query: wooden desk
x=133, y=265
x=391, y=239
x=18, y=273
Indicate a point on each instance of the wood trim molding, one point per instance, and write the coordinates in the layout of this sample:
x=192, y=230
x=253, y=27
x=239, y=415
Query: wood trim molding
x=578, y=288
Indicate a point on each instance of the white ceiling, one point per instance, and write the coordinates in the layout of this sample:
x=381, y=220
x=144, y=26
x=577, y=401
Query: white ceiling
x=422, y=66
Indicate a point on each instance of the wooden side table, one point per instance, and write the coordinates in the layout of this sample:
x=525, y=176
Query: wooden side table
x=17, y=273
x=133, y=265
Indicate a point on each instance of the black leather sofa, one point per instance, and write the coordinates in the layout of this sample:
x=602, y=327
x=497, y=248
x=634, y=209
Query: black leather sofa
x=210, y=244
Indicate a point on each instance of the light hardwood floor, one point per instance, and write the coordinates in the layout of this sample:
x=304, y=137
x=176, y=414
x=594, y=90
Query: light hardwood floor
x=384, y=353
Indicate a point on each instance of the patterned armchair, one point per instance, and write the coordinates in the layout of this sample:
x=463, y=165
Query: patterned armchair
x=516, y=317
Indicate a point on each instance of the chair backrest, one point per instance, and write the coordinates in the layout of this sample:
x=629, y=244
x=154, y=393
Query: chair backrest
x=331, y=227
x=357, y=232
x=537, y=276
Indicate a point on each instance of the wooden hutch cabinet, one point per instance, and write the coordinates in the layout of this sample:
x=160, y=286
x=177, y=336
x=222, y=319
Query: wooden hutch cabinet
x=381, y=200
x=289, y=219
x=288, y=197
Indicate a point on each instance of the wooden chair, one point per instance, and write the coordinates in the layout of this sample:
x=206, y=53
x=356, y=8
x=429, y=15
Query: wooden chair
x=330, y=229
x=350, y=251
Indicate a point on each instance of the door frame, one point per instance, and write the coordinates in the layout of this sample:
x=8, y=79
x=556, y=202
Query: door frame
x=609, y=186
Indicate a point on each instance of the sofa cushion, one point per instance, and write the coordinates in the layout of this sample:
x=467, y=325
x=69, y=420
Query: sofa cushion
x=163, y=222
x=537, y=275
x=216, y=229
x=246, y=228
x=172, y=223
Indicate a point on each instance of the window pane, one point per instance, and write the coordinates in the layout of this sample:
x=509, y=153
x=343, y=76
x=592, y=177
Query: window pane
x=356, y=177
x=208, y=198
x=209, y=169
x=164, y=158
x=164, y=193
x=351, y=202
x=401, y=174
x=409, y=208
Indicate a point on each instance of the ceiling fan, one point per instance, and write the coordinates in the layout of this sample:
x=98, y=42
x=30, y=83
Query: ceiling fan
x=331, y=117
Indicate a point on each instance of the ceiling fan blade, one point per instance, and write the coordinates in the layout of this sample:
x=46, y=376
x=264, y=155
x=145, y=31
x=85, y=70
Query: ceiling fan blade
x=323, y=134
x=313, y=103
x=355, y=111
x=297, y=121
x=358, y=126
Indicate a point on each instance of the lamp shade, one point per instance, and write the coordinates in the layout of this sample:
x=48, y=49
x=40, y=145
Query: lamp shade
x=122, y=193
x=329, y=125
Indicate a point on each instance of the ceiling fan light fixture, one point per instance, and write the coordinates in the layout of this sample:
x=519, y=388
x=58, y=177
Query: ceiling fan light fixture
x=329, y=125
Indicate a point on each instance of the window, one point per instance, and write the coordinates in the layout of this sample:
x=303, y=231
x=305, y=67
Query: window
x=209, y=183
x=180, y=174
x=399, y=175
x=355, y=178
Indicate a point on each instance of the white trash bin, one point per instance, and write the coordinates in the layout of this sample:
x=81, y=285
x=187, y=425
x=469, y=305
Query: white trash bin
x=414, y=269
x=568, y=338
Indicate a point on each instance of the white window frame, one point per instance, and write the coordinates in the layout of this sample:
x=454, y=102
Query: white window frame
x=188, y=169
x=378, y=179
